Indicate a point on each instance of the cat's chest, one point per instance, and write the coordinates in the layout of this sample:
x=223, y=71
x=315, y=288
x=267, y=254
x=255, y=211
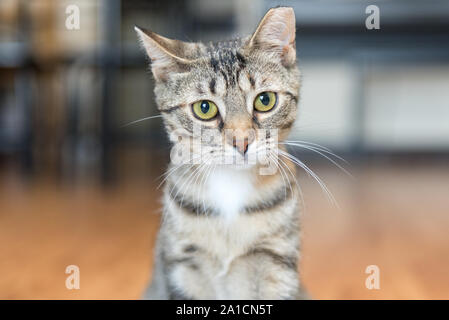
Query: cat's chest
x=229, y=191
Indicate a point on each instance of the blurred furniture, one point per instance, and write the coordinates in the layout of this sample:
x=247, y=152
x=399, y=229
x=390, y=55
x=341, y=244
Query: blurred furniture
x=65, y=95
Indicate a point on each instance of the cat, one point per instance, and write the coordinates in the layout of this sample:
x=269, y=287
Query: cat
x=228, y=230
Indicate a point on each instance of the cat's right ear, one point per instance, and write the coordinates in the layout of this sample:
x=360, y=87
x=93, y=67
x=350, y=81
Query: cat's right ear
x=166, y=54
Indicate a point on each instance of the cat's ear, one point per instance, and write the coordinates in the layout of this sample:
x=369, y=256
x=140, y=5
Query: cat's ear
x=276, y=33
x=167, y=55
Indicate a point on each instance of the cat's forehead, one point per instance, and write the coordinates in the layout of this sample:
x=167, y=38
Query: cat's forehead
x=224, y=69
x=225, y=57
x=227, y=62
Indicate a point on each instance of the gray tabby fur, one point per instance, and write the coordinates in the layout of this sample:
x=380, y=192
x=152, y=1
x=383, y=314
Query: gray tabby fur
x=227, y=232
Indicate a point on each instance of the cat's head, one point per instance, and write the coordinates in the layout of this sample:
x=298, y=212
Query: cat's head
x=224, y=96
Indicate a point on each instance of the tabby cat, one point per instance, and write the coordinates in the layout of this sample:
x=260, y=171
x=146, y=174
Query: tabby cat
x=229, y=231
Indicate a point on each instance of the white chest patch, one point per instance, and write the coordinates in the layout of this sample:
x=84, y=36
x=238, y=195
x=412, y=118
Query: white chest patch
x=229, y=190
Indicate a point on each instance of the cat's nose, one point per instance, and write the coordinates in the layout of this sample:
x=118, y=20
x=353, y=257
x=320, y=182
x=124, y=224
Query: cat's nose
x=241, y=146
x=241, y=143
x=239, y=134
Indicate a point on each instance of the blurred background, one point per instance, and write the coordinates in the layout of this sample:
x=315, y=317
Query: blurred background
x=78, y=188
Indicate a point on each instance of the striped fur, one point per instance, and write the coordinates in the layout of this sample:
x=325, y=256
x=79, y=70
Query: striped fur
x=227, y=232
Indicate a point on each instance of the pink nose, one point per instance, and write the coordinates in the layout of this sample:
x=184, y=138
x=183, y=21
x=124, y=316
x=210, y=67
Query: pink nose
x=241, y=145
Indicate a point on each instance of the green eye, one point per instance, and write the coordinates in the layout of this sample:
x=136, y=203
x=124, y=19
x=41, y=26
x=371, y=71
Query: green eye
x=265, y=101
x=204, y=109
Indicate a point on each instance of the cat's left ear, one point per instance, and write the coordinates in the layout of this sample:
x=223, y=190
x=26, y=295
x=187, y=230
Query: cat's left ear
x=167, y=55
x=276, y=34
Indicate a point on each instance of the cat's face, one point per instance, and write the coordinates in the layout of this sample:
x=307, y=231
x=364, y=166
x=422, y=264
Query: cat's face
x=227, y=98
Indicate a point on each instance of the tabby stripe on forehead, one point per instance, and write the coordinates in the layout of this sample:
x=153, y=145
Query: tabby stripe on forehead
x=237, y=75
x=280, y=196
x=251, y=81
x=242, y=60
x=212, y=86
x=214, y=64
x=226, y=81
x=199, y=89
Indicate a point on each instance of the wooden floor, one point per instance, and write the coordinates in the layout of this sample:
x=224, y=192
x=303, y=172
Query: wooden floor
x=393, y=217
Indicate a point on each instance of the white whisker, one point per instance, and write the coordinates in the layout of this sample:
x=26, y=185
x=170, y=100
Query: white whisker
x=169, y=172
x=315, y=146
x=204, y=181
x=282, y=172
x=192, y=175
x=312, y=174
x=308, y=143
x=296, y=181
x=140, y=120
x=320, y=152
